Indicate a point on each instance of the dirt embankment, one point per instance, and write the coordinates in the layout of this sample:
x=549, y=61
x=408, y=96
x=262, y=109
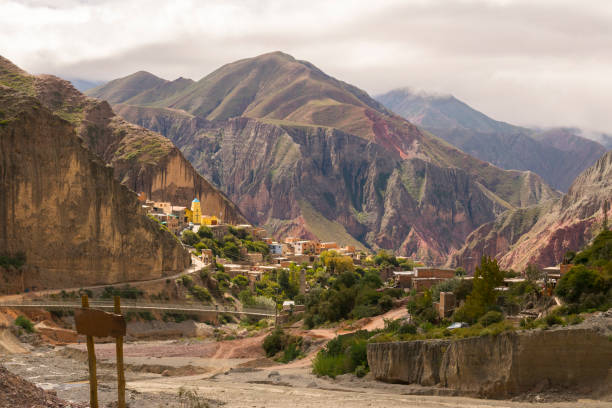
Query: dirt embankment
x=577, y=359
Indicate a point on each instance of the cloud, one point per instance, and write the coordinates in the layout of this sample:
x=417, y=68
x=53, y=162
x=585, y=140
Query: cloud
x=530, y=63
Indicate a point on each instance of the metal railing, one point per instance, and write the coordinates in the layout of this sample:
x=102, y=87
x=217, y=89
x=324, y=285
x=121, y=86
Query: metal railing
x=140, y=306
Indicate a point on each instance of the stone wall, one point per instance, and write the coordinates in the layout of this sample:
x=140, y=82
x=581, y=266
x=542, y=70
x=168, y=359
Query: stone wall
x=502, y=366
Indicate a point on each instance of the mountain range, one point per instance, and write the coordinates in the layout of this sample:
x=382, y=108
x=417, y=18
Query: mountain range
x=303, y=153
x=543, y=233
x=558, y=155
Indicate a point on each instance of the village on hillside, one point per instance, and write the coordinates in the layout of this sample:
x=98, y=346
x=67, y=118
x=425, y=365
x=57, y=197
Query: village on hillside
x=409, y=275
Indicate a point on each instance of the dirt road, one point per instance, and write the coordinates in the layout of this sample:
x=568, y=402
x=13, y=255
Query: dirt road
x=196, y=265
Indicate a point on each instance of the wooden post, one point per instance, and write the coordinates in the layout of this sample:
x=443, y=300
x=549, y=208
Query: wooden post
x=120, y=373
x=91, y=354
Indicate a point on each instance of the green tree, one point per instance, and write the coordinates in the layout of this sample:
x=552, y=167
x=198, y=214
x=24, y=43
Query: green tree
x=533, y=273
x=580, y=281
x=205, y=232
x=240, y=281
x=487, y=277
x=231, y=250
x=190, y=238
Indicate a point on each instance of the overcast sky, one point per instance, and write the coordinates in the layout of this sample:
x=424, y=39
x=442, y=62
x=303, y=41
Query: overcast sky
x=531, y=62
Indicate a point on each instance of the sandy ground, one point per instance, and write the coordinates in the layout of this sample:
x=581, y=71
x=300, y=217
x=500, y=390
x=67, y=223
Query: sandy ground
x=233, y=373
x=242, y=387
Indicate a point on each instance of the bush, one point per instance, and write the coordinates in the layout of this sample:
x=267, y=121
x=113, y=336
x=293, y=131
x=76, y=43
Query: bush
x=125, y=292
x=573, y=319
x=490, y=317
x=201, y=293
x=189, y=238
x=579, y=281
x=205, y=232
x=24, y=323
x=343, y=354
x=17, y=260
x=385, y=303
x=552, y=320
x=329, y=365
x=290, y=353
x=407, y=328
x=361, y=371
x=273, y=343
x=187, y=281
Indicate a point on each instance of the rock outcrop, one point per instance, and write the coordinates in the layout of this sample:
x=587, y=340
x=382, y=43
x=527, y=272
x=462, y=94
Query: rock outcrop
x=61, y=206
x=502, y=366
x=143, y=160
x=543, y=234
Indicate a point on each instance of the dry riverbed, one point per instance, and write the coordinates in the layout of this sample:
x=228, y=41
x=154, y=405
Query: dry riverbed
x=229, y=382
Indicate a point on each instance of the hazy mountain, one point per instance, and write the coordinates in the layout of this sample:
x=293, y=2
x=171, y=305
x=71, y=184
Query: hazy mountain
x=302, y=152
x=511, y=147
x=84, y=84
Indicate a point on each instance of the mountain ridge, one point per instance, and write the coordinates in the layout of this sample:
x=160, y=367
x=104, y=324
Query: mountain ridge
x=304, y=148
x=500, y=143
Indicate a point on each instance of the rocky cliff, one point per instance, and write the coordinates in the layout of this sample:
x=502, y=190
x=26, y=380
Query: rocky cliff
x=558, y=155
x=543, y=234
x=142, y=160
x=304, y=153
x=61, y=206
x=509, y=364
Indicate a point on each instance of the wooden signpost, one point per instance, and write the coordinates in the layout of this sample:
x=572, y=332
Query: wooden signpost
x=97, y=323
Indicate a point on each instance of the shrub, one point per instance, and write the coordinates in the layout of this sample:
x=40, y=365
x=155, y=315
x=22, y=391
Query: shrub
x=361, y=371
x=17, y=260
x=578, y=281
x=552, y=320
x=490, y=317
x=24, y=323
x=187, y=281
x=190, y=238
x=385, y=303
x=240, y=281
x=201, y=293
x=329, y=365
x=273, y=343
x=291, y=352
x=343, y=354
x=573, y=319
x=407, y=328
x=205, y=232
x=125, y=292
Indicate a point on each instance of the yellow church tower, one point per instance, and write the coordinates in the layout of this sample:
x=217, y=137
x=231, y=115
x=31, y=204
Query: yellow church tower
x=196, y=211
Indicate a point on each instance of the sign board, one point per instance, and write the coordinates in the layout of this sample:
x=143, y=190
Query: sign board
x=98, y=323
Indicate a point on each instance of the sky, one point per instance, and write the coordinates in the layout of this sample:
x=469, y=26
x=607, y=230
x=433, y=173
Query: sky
x=531, y=63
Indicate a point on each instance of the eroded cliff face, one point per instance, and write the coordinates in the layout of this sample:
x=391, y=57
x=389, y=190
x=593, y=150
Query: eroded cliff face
x=142, y=159
x=543, y=234
x=62, y=207
x=502, y=366
x=325, y=183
